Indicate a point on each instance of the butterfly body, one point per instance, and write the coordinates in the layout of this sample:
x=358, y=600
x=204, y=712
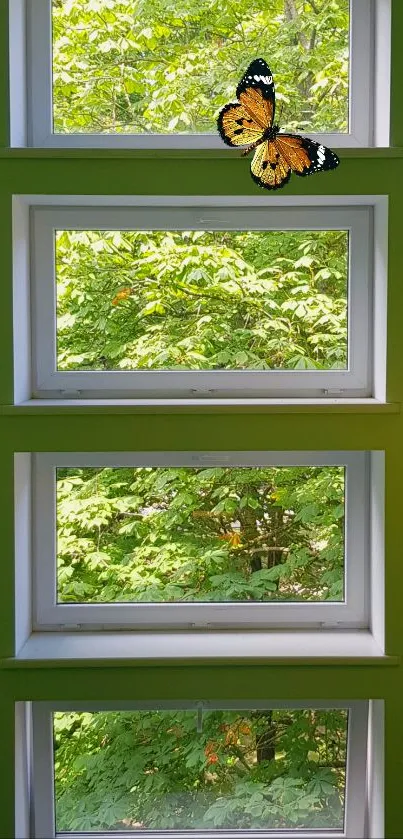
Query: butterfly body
x=269, y=134
x=250, y=122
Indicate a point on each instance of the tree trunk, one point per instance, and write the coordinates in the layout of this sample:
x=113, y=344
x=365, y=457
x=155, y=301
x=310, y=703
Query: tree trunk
x=266, y=738
x=276, y=557
x=249, y=534
x=291, y=16
x=261, y=558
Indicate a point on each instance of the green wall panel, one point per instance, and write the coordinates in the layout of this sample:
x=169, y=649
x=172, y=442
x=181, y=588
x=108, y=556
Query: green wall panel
x=126, y=173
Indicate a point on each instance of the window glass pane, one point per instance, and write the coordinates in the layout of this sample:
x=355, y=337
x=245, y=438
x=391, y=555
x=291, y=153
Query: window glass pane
x=169, y=534
x=202, y=300
x=246, y=769
x=141, y=66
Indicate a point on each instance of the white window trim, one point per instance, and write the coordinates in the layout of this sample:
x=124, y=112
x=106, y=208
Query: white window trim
x=49, y=615
x=356, y=802
x=369, y=113
x=47, y=382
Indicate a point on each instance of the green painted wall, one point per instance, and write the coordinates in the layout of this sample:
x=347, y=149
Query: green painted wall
x=361, y=172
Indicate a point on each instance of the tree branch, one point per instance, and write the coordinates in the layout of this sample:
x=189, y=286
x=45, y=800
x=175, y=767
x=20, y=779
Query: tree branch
x=291, y=14
x=314, y=6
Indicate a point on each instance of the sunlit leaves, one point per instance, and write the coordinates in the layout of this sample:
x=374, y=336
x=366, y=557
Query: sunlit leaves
x=152, y=769
x=198, y=300
x=169, y=534
x=140, y=67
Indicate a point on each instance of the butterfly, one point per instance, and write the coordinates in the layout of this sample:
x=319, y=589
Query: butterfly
x=250, y=121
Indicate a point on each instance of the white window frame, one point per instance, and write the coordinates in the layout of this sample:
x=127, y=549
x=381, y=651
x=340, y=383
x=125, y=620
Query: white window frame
x=49, y=615
x=354, y=215
x=356, y=774
x=369, y=111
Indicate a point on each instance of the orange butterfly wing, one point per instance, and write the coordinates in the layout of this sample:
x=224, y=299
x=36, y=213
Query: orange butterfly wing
x=269, y=169
x=274, y=160
x=237, y=126
x=260, y=108
x=245, y=123
x=306, y=156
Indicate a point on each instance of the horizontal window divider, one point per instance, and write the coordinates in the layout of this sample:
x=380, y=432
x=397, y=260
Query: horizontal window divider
x=219, y=834
x=53, y=202
x=248, y=457
x=211, y=834
x=246, y=405
x=201, y=703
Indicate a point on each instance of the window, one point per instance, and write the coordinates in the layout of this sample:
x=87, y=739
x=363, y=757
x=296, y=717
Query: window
x=204, y=769
x=199, y=539
x=122, y=74
x=190, y=298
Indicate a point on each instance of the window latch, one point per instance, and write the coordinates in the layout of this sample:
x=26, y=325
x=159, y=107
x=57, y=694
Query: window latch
x=70, y=394
x=63, y=627
x=333, y=391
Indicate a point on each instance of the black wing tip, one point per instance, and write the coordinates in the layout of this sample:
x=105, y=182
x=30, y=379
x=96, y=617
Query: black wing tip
x=332, y=161
x=267, y=186
x=259, y=62
x=315, y=170
x=257, y=67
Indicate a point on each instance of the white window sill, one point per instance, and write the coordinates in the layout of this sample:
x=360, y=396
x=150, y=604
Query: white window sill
x=206, y=405
x=238, y=647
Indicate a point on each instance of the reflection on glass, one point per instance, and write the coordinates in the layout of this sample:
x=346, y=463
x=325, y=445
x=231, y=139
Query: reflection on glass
x=138, y=770
x=199, y=300
x=169, y=534
x=144, y=66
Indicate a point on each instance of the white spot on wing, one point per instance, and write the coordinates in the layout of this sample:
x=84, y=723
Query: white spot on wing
x=264, y=79
x=321, y=155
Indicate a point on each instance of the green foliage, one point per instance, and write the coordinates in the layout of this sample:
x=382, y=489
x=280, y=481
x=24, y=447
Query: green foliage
x=168, y=534
x=199, y=300
x=142, y=66
x=151, y=769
